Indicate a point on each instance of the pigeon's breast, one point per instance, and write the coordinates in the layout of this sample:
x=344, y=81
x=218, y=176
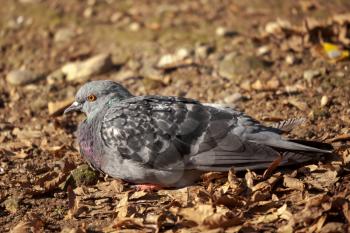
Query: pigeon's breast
x=86, y=145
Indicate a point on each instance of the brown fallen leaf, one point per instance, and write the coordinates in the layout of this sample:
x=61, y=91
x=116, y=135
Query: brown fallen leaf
x=318, y=225
x=129, y=223
x=51, y=180
x=219, y=220
x=31, y=223
x=346, y=211
x=235, y=183
x=297, y=103
x=73, y=230
x=341, y=137
x=74, y=206
x=322, y=179
x=198, y=213
x=20, y=155
x=293, y=183
x=210, y=176
x=22, y=227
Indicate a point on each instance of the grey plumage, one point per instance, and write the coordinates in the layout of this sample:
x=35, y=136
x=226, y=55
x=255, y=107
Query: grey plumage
x=171, y=140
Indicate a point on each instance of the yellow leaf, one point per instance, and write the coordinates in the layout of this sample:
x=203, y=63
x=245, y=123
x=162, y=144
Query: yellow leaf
x=334, y=52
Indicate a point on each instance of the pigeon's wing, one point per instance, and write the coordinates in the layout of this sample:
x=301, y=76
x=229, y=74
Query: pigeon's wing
x=289, y=124
x=158, y=132
x=235, y=139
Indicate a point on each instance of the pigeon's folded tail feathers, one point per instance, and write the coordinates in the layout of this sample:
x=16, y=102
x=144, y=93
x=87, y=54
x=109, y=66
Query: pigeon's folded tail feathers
x=293, y=146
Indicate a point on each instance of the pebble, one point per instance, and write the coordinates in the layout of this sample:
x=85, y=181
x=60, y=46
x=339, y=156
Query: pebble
x=257, y=85
x=246, y=85
x=233, y=98
x=310, y=74
x=168, y=60
x=134, y=27
x=149, y=72
x=64, y=35
x=88, y=12
x=21, y=77
x=134, y=65
x=263, y=50
x=116, y=17
x=276, y=26
x=290, y=59
x=203, y=50
x=324, y=101
x=80, y=71
x=55, y=77
x=224, y=32
x=124, y=75
x=29, y=1
x=340, y=74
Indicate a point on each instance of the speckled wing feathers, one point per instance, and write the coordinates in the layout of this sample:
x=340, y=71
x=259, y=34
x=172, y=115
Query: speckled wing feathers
x=158, y=132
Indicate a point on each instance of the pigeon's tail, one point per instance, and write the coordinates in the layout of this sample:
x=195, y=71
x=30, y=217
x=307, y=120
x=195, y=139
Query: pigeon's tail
x=302, y=146
x=253, y=155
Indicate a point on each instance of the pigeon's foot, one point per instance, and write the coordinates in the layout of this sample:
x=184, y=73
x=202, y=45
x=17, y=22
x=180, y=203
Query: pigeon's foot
x=148, y=187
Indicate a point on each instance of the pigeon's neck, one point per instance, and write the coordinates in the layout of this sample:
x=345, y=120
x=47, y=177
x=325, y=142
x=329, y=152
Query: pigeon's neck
x=118, y=98
x=106, y=103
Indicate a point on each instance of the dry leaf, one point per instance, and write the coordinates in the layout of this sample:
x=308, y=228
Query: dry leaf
x=293, y=183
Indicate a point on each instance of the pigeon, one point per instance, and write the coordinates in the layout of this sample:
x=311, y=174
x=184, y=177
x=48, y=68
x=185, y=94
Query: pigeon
x=171, y=141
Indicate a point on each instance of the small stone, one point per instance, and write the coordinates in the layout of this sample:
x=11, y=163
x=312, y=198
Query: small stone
x=88, y=12
x=29, y=1
x=55, y=77
x=169, y=60
x=182, y=53
x=134, y=65
x=149, y=72
x=246, y=85
x=257, y=85
x=99, y=202
x=116, y=17
x=290, y=59
x=80, y=71
x=233, y=98
x=21, y=77
x=166, y=59
x=202, y=51
x=324, y=101
x=223, y=32
x=277, y=26
x=311, y=74
x=272, y=84
x=263, y=50
x=124, y=75
x=134, y=27
x=91, y=2
x=340, y=74
x=63, y=35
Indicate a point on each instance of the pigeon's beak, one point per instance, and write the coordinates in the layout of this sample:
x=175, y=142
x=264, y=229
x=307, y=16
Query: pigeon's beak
x=76, y=106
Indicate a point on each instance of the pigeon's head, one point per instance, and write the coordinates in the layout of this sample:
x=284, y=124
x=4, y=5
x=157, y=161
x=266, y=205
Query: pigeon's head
x=93, y=96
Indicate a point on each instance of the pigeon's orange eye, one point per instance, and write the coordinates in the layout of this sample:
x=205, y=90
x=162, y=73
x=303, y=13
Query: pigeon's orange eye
x=91, y=98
